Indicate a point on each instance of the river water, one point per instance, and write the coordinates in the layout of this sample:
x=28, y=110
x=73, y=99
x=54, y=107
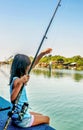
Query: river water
x=58, y=94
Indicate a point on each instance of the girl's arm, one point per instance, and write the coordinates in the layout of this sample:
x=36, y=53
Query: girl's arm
x=17, y=86
x=47, y=51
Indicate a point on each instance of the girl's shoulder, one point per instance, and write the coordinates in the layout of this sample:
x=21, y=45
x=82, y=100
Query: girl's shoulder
x=11, y=85
x=14, y=78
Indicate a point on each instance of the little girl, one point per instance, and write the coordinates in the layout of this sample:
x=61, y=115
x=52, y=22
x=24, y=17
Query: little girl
x=19, y=77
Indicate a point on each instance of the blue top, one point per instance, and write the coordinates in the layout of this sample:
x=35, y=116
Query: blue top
x=23, y=98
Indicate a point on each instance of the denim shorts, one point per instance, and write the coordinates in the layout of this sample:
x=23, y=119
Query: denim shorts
x=26, y=122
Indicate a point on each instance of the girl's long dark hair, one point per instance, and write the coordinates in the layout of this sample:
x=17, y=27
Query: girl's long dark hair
x=19, y=66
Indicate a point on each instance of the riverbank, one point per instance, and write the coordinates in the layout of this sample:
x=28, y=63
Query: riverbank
x=56, y=62
x=60, y=62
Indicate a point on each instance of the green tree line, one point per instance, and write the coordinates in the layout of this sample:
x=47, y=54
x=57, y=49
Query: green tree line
x=75, y=59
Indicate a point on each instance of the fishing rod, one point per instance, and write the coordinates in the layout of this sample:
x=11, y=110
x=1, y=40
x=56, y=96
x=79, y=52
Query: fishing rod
x=19, y=94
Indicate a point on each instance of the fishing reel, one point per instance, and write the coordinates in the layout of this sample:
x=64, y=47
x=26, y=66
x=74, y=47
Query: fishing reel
x=23, y=110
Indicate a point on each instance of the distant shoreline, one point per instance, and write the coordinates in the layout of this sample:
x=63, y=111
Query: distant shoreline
x=55, y=62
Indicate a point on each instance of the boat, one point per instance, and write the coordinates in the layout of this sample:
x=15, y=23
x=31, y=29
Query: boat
x=5, y=107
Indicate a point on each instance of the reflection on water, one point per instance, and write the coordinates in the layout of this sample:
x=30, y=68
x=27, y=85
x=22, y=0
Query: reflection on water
x=76, y=75
x=56, y=73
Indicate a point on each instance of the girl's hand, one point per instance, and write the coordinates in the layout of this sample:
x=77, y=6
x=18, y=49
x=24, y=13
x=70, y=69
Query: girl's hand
x=25, y=79
x=47, y=51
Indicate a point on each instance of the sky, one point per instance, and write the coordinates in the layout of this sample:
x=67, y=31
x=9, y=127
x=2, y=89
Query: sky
x=24, y=22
